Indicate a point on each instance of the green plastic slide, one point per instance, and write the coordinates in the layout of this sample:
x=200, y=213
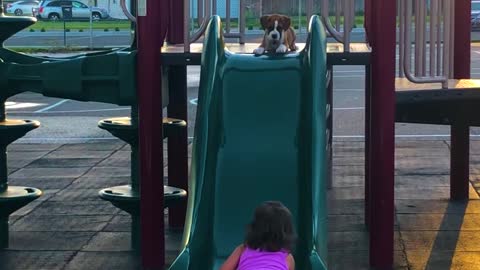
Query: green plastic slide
x=260, y=135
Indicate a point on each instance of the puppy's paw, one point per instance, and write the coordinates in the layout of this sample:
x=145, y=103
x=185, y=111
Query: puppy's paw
x=259, y=50
x=281, y=49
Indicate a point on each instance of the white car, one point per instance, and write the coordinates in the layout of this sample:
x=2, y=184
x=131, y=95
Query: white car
x=22, y=8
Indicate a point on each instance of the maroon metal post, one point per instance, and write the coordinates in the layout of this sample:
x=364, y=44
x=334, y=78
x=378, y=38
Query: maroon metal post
x=460, y=132
x=152, y=28
x=177, y=143
x=367, y=20
x=383, y=23
x=177, y=108
x=175, y=26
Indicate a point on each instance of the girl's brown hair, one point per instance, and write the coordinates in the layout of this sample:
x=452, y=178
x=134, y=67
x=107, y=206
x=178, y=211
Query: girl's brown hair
x=271, y=228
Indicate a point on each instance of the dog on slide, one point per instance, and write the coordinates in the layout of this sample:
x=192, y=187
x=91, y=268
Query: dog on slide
x=279, y=35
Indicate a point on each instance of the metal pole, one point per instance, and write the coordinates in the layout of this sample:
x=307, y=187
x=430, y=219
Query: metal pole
x=135, y=181
x=433, y=36
x=452, y=38
x=186, y=25
x=91, y=25
x=462, y=52
x=3, y=151
x=178, y=141
x=446, y=39
x=459, y=156
x=4, y=233
x=64, y=33
x=368, y=21
x=208, y=9
x=152, y=27
x=300, y=16
x=228, y=15
x=3, y=112
x=347, y=23
x=177, y=108
x=382, y=134
x=418, y=33
x=423, y=41
x=338, y=10
x=200, y=11
x=3, y=169
x=407, y=56
x=401, y=43
x=439, y=38
x=242, y=22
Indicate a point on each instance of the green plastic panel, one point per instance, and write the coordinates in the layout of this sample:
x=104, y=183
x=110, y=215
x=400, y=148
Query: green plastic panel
x=260, y=135
x=103, y=77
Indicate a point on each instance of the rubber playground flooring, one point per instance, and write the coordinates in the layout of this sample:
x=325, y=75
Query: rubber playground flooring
x=70, y=227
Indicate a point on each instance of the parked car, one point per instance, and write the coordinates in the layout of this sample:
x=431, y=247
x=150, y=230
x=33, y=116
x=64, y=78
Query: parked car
x=475, y=15
x=22, y=8
x=52, y=10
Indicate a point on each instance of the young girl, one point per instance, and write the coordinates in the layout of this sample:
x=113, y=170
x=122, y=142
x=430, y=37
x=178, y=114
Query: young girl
x=269, y=241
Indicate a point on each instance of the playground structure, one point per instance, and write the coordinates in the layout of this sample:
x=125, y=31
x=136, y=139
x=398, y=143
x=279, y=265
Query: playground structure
x=414, y=102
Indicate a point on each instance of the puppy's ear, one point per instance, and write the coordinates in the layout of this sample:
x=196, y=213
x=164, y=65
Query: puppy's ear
x=286, y=22
x=264, y=21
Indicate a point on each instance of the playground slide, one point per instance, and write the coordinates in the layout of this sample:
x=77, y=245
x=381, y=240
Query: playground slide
x=260, y=135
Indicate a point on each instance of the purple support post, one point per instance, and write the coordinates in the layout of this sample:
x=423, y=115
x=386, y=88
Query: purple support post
x=175, y=26
x=460, y=132
x=367, y=21
x=383, y=23
x=177, y=108
x=152, y=28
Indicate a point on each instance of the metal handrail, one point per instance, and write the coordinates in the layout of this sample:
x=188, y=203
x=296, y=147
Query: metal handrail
x=210, y=8
x=440, y=60
x=127, y=13
x=349, y=19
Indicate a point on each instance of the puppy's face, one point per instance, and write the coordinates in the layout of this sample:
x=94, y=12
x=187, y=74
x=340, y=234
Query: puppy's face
x=275, y=27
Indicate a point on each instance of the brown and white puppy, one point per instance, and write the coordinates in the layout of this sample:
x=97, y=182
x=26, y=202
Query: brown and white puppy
x=279, y=35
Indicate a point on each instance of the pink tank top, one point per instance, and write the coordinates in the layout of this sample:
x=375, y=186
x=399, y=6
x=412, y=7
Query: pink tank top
x=262, y=260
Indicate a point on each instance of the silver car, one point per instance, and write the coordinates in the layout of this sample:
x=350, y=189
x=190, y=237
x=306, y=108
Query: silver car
x=22, y=8
x=52, y=10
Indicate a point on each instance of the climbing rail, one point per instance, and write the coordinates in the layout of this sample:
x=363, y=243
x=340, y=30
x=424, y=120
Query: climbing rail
x=340, y=29
x=432, y=29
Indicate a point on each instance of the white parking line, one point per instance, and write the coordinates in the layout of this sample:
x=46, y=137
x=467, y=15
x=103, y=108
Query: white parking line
x=52, y=106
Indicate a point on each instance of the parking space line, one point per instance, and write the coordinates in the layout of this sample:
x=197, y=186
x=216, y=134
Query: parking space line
x=52, y=106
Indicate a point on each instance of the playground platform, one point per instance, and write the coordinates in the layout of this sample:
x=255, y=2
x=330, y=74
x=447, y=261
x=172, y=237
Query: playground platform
x=70, y=227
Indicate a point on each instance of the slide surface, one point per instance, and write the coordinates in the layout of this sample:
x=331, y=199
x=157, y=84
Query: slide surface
x=260, y=134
